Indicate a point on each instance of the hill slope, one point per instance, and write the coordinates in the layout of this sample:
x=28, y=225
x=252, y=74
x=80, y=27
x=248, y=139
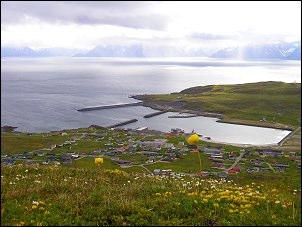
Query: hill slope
x=269, y=103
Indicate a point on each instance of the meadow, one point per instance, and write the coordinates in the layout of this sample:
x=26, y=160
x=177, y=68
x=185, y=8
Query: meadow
x=60, y=195
x=277, y=103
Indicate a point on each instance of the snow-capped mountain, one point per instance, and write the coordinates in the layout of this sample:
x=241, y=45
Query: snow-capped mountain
x=28, y=52
x=285, y=51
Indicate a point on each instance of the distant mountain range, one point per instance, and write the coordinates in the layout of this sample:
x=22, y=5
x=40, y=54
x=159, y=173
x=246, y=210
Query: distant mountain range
x=283, y=51
x=28, y=52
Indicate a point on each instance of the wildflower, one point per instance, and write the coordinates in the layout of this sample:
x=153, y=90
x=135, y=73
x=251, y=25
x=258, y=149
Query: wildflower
x=98, y=161
x=216, y=205
x=277, y=201
x=231, y=211
x=128, y=181
x=205, y=200
x=35, y=203
x=34, y=207
x=158, y=194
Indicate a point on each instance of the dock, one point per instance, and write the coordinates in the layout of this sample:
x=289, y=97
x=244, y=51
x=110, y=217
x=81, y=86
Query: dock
x=110, y=106
x=155, y=113
x=122, y=123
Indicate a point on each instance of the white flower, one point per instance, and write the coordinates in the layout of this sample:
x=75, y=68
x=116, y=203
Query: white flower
x=35, y=203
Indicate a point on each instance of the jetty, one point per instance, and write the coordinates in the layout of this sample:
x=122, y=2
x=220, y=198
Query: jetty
x=110, y=106
x=122, y=123
x=155, y=113
x=186, y=116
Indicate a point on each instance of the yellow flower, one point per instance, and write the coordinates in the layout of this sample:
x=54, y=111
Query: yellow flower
x=216, y=205
x=158, y=194
x=193, y=139
x=231, y=211
x=205, y=200
x=34, y=207
x=98, y=161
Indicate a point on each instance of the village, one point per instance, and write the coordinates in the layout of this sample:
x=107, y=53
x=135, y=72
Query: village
x=143, y=147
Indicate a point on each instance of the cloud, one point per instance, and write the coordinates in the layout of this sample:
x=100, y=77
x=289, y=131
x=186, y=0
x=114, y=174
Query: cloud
x=208, y=36
x=137, y=15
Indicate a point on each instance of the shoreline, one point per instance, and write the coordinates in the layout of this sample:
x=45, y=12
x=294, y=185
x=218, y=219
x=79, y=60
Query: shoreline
x=159, y=107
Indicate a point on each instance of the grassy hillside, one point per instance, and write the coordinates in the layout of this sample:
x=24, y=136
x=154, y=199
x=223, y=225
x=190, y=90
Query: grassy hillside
x=276, y=102
x=58, y=195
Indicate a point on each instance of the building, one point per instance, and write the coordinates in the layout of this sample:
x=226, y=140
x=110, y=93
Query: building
x=211, y=151
x=270, y=152
x=155, y=144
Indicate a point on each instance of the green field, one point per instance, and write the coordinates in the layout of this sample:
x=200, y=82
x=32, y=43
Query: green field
x=277, y=102
x=83, y=193
x=59, y=195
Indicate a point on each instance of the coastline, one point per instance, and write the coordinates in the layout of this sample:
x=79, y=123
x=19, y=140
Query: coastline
x=171, y=108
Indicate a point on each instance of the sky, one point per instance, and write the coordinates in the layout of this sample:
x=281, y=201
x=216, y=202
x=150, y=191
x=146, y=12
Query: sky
x=84, y=25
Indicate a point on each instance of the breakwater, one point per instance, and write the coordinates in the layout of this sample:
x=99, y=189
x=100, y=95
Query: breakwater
x=187, y=116
x=110, y=106
x=155, y=114
x=122, y=123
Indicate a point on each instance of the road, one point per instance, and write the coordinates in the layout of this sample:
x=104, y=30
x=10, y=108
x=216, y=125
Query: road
x=237, y=160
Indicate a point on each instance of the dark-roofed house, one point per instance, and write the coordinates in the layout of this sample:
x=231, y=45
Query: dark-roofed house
x=270, y=152
x=211, y=151
x=66, y=159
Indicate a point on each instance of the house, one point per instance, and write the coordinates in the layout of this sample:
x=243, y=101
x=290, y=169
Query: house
x=156, y=172
x=211, y=151
x=234, y=170
x=66, y=159
x=167, y=159
x=177, y=131
x=166, y=171
x=7, y=161
x=157, y=143
x=122, y=149
x=222, y=175
x=219, y=156
x=270, y=152
x=216, y=159
x=97, y=152
x=40, y=153
x=149, y=153
x=253, y=169
x=122, y=162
